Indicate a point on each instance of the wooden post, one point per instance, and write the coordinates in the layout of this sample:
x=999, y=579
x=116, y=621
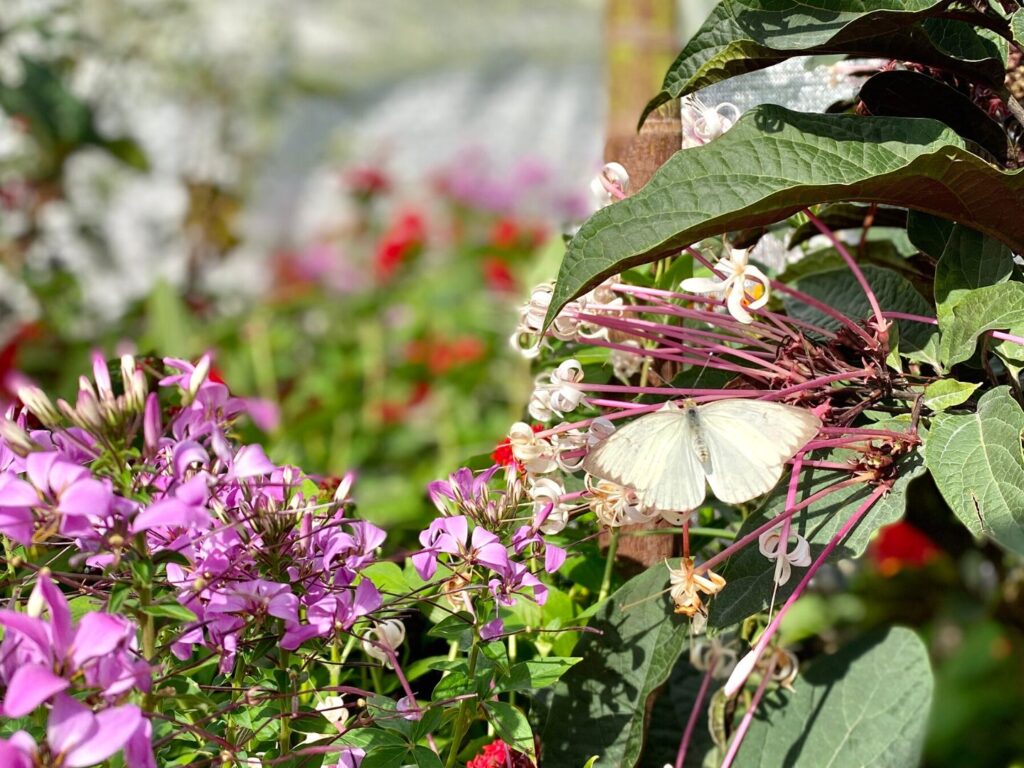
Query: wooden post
x=640, y=38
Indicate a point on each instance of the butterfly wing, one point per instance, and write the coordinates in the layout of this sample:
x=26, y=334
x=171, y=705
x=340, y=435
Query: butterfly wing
x=748, y=443
x=654, y=456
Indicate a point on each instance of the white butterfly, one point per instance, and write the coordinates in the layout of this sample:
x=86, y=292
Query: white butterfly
x=738, y=446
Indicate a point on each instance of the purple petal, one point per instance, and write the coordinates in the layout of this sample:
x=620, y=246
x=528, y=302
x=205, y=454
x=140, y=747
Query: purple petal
x=13, y=757
x=70, y=724
x=186, y=453
x=64, y=474
x=492, y=629
x=60, y=614
x=17, y=523
x=553, y=558
x=138, y=752
x=195, y=492
x=37, y=465
x=15, y=492
x=98, y=634
x=171, y=513
x=30, y=686
x=251, y=461
x=36, y=631
x=367, y=598
x=86, y=497
x=425, y=564
x=264, y=413
x=457, y=527
x=113, y=729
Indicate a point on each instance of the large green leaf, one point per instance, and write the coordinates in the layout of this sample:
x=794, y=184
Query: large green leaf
x=977, y=465
x=775, y=162
x=745, y=35
x=749, y=574
x=599, y=706
x=865, y=705
x=992, y=308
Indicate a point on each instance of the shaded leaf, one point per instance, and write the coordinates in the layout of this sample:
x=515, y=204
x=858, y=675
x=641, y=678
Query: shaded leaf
x=902, y=93
x=839, y=289
x=865, y=705
x=599, y=705
x=537, y=673
x=977, y=465
x=746, y=35
x=749, y=574
x=775, y=162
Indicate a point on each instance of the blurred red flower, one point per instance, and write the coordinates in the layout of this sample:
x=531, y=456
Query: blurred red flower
x=900, y=546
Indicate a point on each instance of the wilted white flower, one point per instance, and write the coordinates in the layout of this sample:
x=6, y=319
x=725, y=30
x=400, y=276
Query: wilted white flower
x=626, y=365
x=686, y=583
x=615, y=504
x=388, y=633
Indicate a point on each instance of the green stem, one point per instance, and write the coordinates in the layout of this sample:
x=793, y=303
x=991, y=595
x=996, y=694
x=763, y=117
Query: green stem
x=466, y=710
x=285, y=734
x=609, y=565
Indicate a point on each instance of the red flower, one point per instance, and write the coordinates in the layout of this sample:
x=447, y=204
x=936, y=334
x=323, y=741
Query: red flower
x=367, y=181
x=497, y=755
x=403, y=240
x=505, y=233
x=498, y=276
x=900, y=546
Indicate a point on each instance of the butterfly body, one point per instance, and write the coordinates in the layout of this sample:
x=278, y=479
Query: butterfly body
x=736, y=446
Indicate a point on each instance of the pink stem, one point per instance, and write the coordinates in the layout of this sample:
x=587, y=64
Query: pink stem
x=748, y=718
x=794, y=482
x=739, y=544
x=819, y=561
x=691, y=722
x=854, y=268
x=933, y=321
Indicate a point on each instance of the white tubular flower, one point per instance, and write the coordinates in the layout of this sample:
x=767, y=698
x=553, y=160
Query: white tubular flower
x=547, y=491
x=540, y=407
x=612, y=177
x=536, y=454
x=626, y=365
x=389, y=633
x=739, y=279
x=800, y=555
x=702, y=123
x=564, y=396
x=527, y=337
x=600, y=429
x=570, y=449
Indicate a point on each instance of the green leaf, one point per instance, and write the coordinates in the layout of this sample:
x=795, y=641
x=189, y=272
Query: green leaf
x=839, y=289
x=903, y=93
x=1017, y=26
x=538, y=673
x=511, y=725
x=775, y=162
x=749, y=574
x=865, y=705
x=746, y=35
x=947, y=393
x=977, y=465
x=599, y=705
x=169, y=611
x=387, y=577
x=386, y=756
x=995, y=307
x=969, y=260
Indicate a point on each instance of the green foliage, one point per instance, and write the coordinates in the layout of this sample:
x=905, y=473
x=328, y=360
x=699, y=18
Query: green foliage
x=773, y=163
x=599, y=706
x=868, y=702
x=746, y=35
x=977, y=463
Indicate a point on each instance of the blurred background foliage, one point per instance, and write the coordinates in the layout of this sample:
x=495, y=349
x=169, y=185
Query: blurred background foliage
x=346, y=202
